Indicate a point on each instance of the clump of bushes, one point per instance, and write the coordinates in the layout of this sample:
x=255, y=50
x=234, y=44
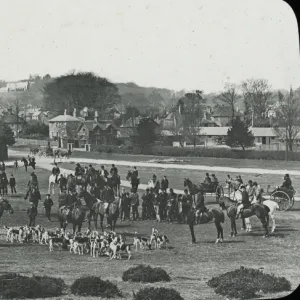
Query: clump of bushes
x=157, y=294
x=245, y=283
x=13, y=285
x=142, y=273
x=95, y=286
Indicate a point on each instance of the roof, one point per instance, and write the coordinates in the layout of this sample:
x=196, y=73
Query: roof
x=126, y=132
x=263, y=131
x=64, y=118
x=37, y=113
x=91, y=125
x=129, y=122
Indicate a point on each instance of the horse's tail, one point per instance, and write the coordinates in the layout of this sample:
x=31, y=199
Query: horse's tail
x=222, y=218
x=267, y=208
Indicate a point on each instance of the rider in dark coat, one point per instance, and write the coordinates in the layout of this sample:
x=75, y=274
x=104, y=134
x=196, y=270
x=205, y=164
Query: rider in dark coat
x=164, y=183
x=287, y=182
x=78, y=170
x=207, y=179
x=56, y=172
x=62, y=183
x=245, y=201
x=146, y=198
x=113, y=170
x=103, y=172
x=135, y=172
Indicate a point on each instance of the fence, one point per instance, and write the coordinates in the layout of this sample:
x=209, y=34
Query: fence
x=29, y=142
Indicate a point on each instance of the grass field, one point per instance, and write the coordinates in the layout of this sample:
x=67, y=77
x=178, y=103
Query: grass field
x=190, y=266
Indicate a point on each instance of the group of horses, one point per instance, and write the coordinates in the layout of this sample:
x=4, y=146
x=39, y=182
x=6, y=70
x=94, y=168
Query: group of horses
x=263, y=211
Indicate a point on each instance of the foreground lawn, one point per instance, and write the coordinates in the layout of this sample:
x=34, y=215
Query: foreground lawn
x=190, y=266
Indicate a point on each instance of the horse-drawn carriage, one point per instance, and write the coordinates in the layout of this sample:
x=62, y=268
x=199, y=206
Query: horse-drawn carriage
x=215, y=188
x=283, y=197
x=45, y=151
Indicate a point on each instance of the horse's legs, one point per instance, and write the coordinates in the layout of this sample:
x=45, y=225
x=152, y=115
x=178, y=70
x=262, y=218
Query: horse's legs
x=232, y=221
x=265, y=226
x=101, y=222
x=220, y=232
x=244, y=224
x=95, y=220
x=248, y=225
x=273, y=223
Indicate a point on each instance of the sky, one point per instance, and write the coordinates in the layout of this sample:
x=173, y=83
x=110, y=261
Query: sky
x=191, y=44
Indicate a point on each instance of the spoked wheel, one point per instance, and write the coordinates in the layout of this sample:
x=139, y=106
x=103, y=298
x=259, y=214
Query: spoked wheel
x=282, y=199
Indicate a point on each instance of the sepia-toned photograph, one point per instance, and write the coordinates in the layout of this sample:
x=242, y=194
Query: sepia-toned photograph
x=149, y=150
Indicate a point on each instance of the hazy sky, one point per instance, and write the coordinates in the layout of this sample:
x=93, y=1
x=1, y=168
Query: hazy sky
x=191, y=44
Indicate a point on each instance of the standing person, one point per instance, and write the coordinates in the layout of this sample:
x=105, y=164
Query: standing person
x=122, y=206
x=164, y=184
x=113, y=170
x=25, y=162
x=16, y=165
x=191, y=221
x=156, y=205
x=187, y=200
x=48, y=203
x=250, y=190
x=4, y=183
x=86, y=170
x=32, y=213
x=135, y=204
x=228, y=183
x=145, y=205
x=103, y=172
x=257, y=192
x=12, y=184
x=207, y=179
x=78, y=170
x=156, y=184
x=3, y=166
x=33, y=163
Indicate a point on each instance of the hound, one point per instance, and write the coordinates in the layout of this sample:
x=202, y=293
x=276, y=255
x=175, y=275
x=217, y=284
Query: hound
x=14, y=234
x=140, y=241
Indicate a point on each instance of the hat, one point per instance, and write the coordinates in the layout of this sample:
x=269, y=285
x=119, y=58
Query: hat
x=207, y=174
x=90, y=165
x=134, y=167
x=78, y=164
x=287, y=175
x=242, y=186
x=112, y=165
x=154, y=176
x=213, y=175
x=147, y=189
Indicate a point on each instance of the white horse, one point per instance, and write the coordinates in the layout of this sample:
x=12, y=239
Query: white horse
x=272, y=205
x=237, y=197
x=52, y=184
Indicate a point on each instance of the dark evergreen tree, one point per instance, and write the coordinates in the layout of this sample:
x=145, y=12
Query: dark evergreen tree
x=239, y=135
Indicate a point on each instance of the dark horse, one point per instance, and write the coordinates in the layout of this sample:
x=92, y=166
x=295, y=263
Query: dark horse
x=259, y=210
x=76, y=216
x=134, y=180
x=217, y=216
x=114, y=183
x=5, y=206
x=195, y=189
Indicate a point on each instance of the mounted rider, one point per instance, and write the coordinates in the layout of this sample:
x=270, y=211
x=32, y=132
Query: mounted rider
x=103, y=172
x=91, y=169
x=250, y=190
x=107, y=195
x=67, y=201
x=113, y=170
x=56, y=172
x=207, y=179
x=245, y=202
x=33, y=189
x=258, y=191
x=78, y=170
x=200, y=207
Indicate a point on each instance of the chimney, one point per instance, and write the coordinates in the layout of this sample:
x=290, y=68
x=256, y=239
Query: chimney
x=65, y=112
x=74, y=113
x=96, y=116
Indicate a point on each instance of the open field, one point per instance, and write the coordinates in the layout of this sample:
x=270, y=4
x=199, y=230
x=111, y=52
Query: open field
x=190, y=266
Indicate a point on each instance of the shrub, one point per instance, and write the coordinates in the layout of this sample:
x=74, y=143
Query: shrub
x=94, y=286
x=157, y=294
x=13, y=285
x=142, y=273
x=244, y=283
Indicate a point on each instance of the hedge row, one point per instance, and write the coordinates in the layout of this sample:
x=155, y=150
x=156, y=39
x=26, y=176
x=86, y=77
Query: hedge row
x=202, y=152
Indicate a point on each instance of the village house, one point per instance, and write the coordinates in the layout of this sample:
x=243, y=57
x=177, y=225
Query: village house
x=63, y=128
x=96, y=132
x=15, y=123
x=222, y=115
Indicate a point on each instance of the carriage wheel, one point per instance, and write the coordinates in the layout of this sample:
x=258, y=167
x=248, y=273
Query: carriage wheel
x=282, y=199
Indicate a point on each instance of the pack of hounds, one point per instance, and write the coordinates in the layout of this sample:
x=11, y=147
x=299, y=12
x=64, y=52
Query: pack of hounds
x=91, y=242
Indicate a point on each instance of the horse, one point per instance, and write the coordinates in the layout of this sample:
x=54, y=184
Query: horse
x=5, y=206
x=213, y=215
x=76, y=217
x=114, y=183
x=90, y=201
x=34, y=195
x=134, y=180
x=52, y=183
x=81, y=182
x=113, y=213
x=71, y=183
x=261, y=211
x=62, y=153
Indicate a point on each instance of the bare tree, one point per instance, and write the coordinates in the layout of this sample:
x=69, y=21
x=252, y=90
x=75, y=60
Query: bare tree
x=257, y=97
x=229, y=97
x=287, y=118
